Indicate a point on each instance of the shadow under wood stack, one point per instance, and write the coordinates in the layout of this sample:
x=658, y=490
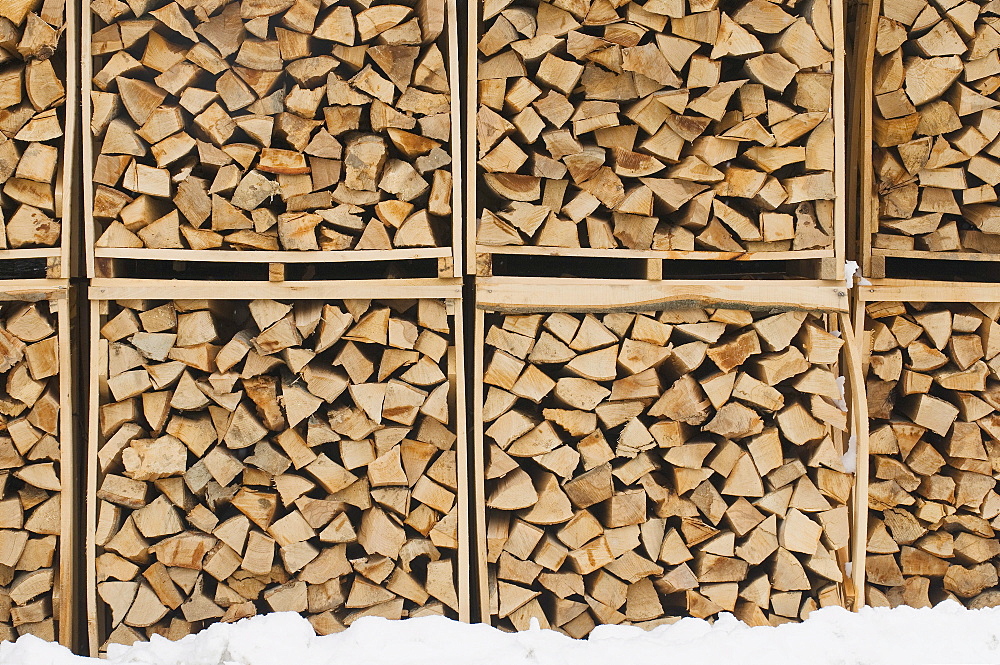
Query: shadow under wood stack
x=929, y=133
x=280, y=126
x=273, y=455
x=683, y=130
x=35, y=130
x=36, y=555
x=933, y=400
x=681, y=460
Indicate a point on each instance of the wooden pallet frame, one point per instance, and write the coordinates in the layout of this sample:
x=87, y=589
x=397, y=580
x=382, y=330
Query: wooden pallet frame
x=905, y=290
x=873, y=260
x=102, y=262
x=64, y=593
x=102, y=291
x=823, y=264
x=518, y=295
x=60, y=260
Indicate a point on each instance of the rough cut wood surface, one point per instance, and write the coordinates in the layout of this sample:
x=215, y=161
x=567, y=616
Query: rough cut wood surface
x=935, y=123
x=656, y=125
x=644, y=467
x=270, y=456
x=32, y=121
x=933, y=400
x=271, y=125
x=30, y=473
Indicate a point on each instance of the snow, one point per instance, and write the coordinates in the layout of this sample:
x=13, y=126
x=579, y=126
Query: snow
x=850, y=459
x=948, y=634
x=851, y=269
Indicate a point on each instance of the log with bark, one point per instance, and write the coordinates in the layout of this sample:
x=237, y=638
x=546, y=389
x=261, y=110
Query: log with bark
x=271, y=125
x=32, y=122
x=274, y=456
x=658, y=125
x=933, y=399
x=935, y=123
x=31, y=472
x=642, y=467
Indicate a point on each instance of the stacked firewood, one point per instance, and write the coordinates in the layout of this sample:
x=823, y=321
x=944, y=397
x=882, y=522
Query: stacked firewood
x=933, y=400
x=267, y=456
x=30, y=470
x=656, y=125
x=32, y=121
x=935, y=125
x=271, y=125
x=646, y=466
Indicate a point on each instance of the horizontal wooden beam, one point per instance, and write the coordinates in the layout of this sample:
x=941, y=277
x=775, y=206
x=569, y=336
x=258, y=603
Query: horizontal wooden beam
x=261, y=256
x=580, y=295
x=655, y=254
x=946, y=256
x=34, y=289
x=919, y=291
x=111, y=289
x=31, y=253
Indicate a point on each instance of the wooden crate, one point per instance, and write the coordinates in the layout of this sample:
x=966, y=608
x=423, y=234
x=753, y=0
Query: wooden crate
x=337, y=488
x=945, y=422
x=957, y=227
x=660, y=541
x=39, y=520
x=296, y=249
x=634, y=240
x=46, y=187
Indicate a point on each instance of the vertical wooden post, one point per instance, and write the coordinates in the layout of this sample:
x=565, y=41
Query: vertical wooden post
x=479, y=468
x=858, y=409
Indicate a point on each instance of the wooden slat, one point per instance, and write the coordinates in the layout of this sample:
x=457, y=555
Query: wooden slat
x=98, y=393
x=478, y=467
x=508, y=293
x=264, y=256
x=654, y=254
x=859, y=431
x=111, y=289
x=864, y=194
x=466, y=510
x=905, y=290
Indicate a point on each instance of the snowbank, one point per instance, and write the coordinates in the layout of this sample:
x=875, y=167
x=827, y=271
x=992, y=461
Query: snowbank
x=947, y=634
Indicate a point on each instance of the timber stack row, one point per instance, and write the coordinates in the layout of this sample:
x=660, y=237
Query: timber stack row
x=281, y=126
x=633, y=451
x=268, y=455
x=643, y=466
x=930, y=132
x=698, y=129
x=932, y=400
x=37, y=124
x=37, y=479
